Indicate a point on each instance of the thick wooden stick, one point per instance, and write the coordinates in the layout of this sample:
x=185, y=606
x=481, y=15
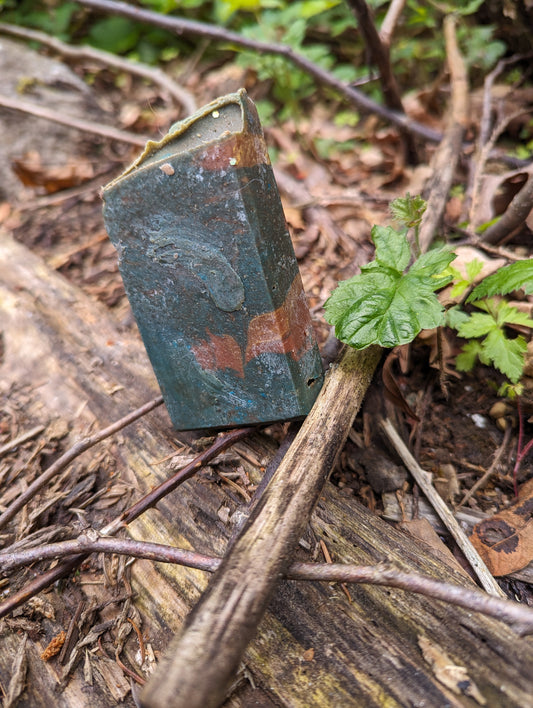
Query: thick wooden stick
x=202, y=660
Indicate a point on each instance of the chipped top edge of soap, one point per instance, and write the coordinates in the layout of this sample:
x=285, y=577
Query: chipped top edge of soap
x=250, y=121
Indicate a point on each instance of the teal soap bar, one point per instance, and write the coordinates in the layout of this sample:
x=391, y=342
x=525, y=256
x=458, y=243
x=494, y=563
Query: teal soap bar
x=211, y=275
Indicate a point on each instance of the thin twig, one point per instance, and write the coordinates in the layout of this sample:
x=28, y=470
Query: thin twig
x=390, y=20
x=219, y=34
x=477, y=168
x=150, y=500
x=18, y=104
x=482, y=157
x=61, y=570
x=21, y=439
x=521, y=616
x=514, y=216
x=154, y=74
x=380, y=55
x=482, y=481
x=70, y=455
x=423, y=479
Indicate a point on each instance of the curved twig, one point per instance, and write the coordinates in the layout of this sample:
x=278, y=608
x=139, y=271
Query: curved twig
x=520, y=616
x=181, y=26
x=62, y=569
x=183, y=97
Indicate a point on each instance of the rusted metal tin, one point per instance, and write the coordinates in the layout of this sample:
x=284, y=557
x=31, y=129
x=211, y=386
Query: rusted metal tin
x=211, y=275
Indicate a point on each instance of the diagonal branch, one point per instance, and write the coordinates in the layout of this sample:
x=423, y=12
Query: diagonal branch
x=380, y=55
x=182, y=26
x=447, y=155
x=153, y=74
x=200, y=662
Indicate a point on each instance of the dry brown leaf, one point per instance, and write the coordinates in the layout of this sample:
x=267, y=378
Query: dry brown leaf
x=505, y=540
x=392, y=390
x=294, y=217
x=422, y=530
x=32, y=173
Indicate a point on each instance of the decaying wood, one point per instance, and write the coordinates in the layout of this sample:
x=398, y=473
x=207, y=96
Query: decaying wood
x=216, y=634
x=70, y=360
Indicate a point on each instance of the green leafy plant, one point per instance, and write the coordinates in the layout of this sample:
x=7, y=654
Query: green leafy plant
x=390, y=302
x=487, y=331
x=488, y=338
x=394, y=298
x=517, y=276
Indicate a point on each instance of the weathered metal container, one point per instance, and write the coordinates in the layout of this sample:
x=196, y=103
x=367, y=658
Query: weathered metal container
x=211, y=275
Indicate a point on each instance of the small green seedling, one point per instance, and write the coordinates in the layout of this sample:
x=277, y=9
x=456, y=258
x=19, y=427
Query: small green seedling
x=394, y=298
x=390, y=301
x=488, y=339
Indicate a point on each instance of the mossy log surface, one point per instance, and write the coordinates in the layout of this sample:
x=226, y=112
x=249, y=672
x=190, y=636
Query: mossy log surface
x=78, y=365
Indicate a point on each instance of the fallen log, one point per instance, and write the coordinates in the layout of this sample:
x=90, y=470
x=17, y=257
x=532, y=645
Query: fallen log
x=313, y=647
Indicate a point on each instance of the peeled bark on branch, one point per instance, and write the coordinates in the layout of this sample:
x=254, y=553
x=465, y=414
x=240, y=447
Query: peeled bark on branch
x=217, y=632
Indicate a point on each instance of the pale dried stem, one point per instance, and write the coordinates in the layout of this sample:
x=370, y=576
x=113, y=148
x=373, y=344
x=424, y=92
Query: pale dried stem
x=105, y=131
x=391, y=20
x=445, y=159
x=154, y=74
x=423, y=479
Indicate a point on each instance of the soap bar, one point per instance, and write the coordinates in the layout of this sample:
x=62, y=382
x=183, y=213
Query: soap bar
x=211, y=275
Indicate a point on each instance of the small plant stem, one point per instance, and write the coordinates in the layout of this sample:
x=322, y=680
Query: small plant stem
x=520, y=452
x=417, y=240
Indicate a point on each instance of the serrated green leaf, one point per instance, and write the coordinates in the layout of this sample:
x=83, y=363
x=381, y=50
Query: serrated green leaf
x=408, y=210
x=508, y=314
x=382, y=306
x=466, y=359
x=455, y=317
x=507, y=355
x=477, y=325
x=351, y=291
x=392, y=247
x=433, y=263
x=516, y=276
